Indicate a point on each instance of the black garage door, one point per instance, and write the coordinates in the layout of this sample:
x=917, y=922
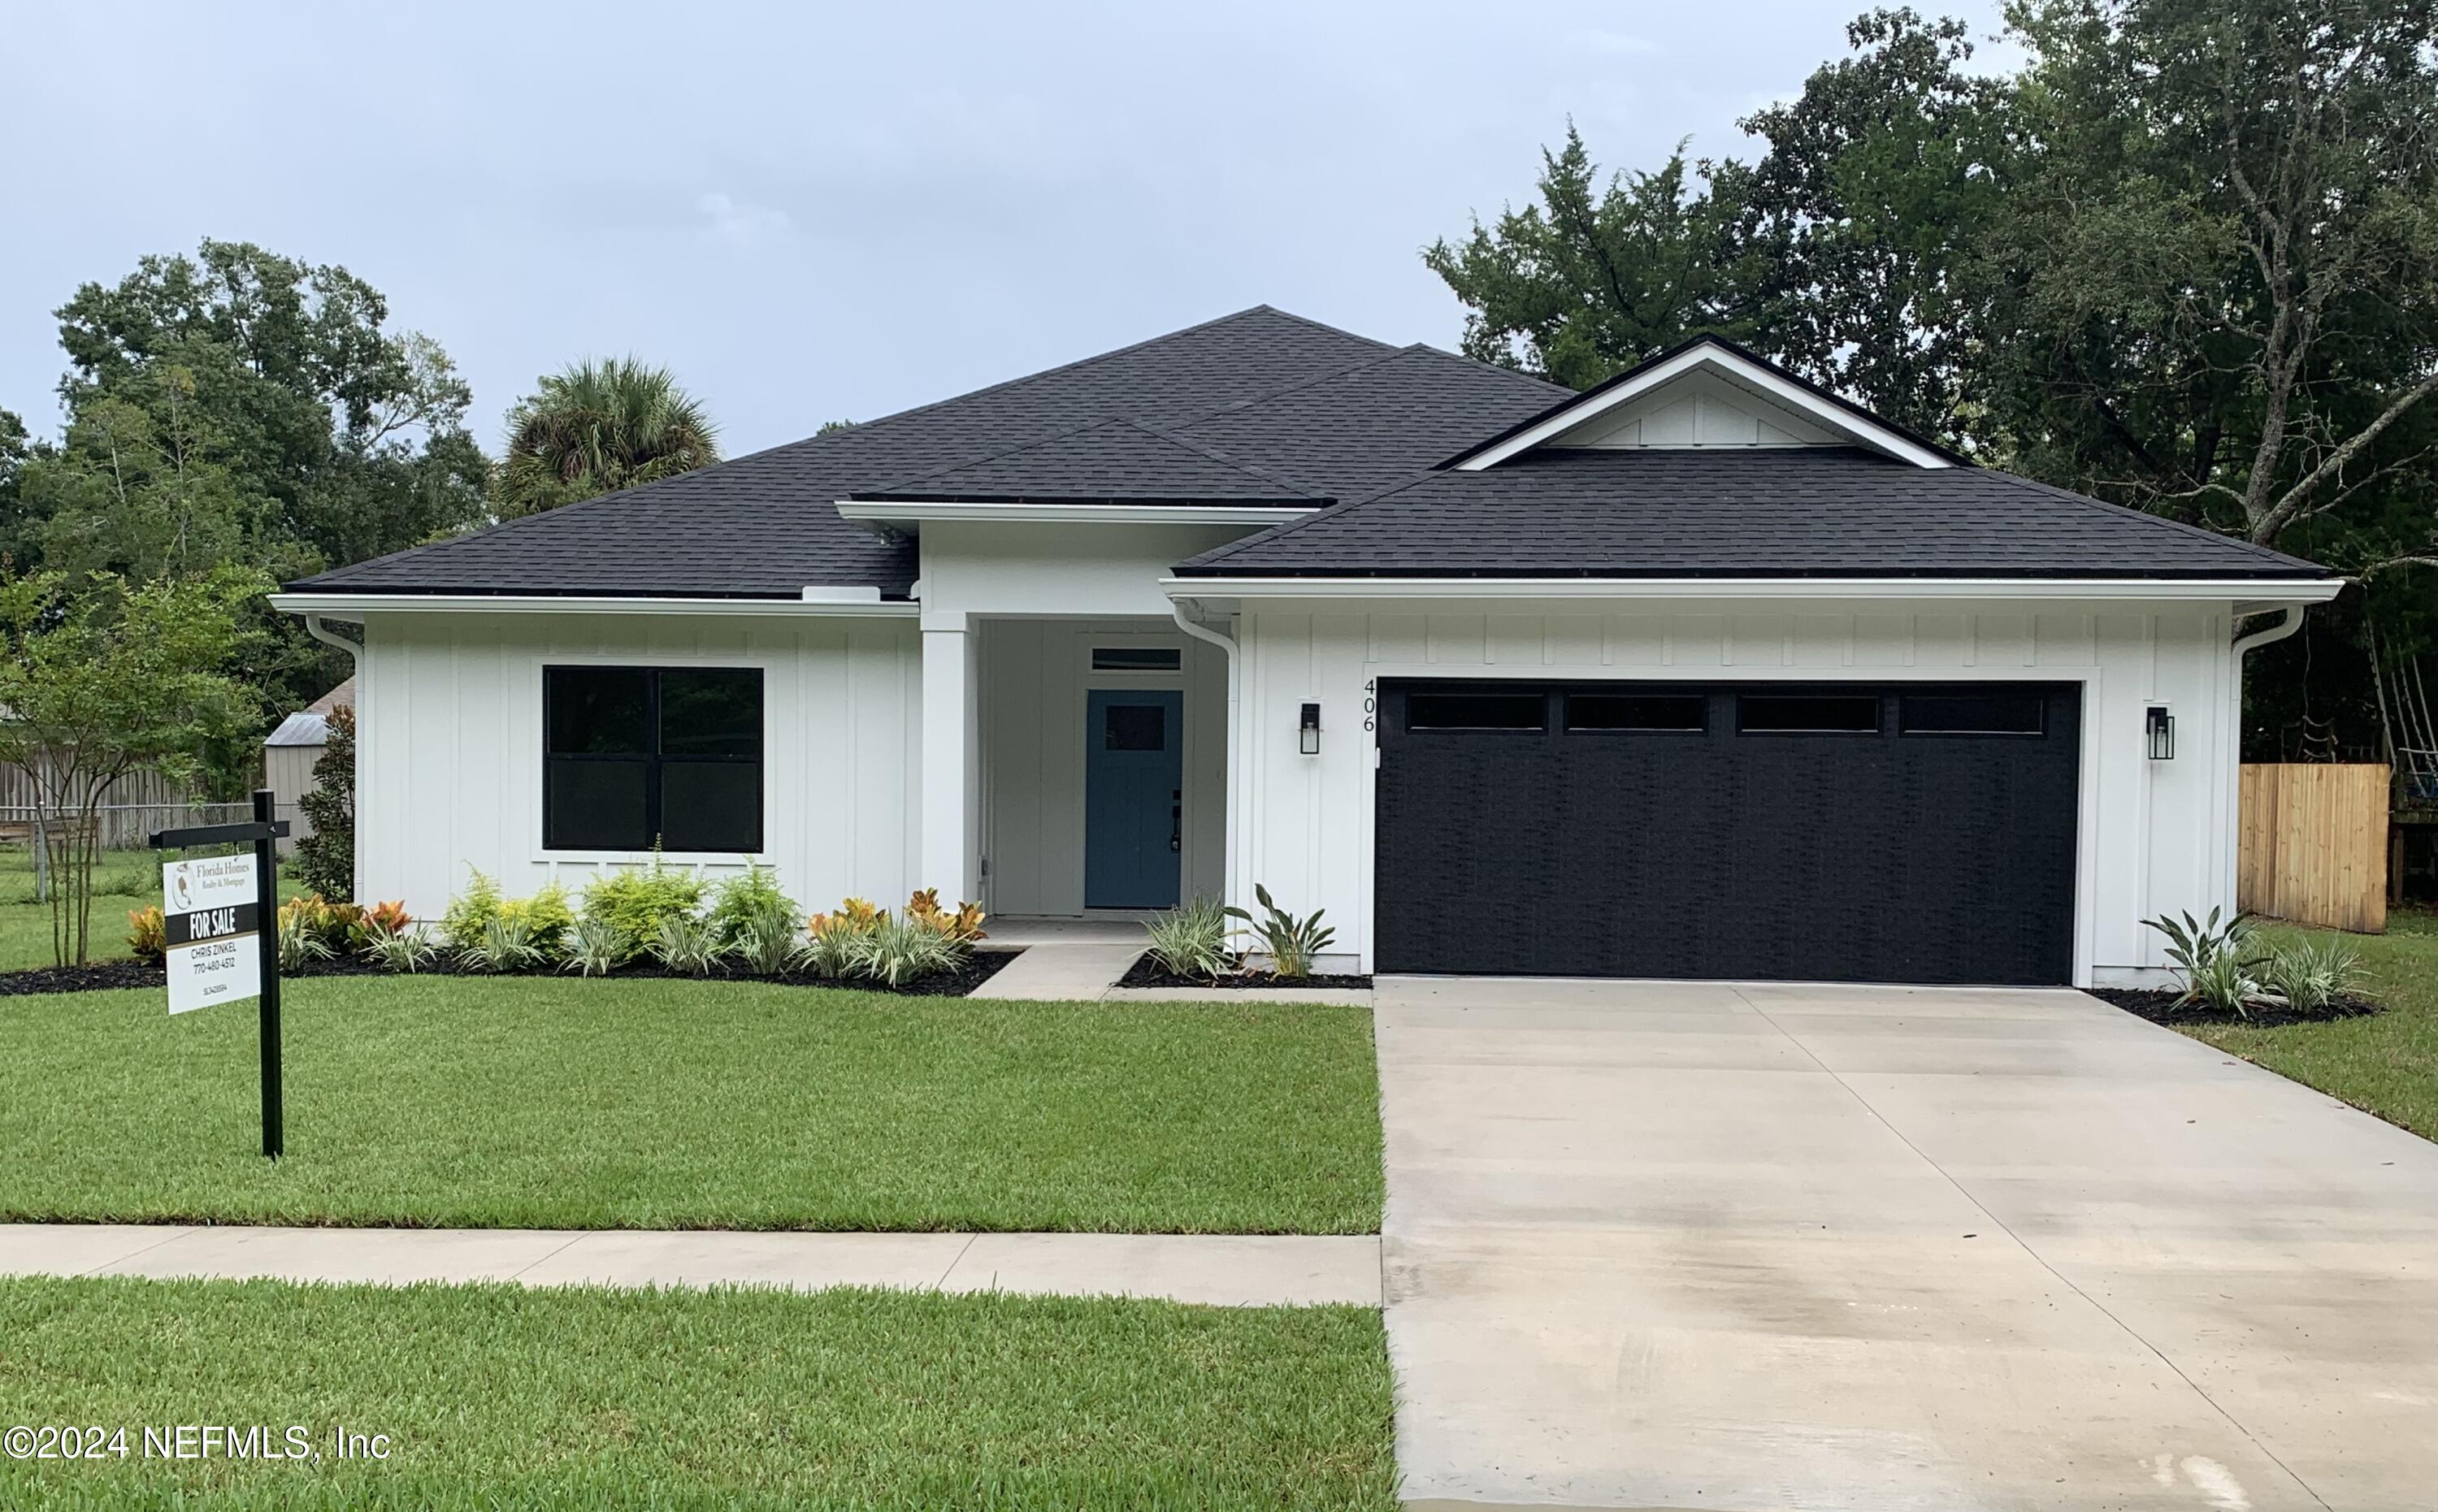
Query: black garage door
x=1799, y=832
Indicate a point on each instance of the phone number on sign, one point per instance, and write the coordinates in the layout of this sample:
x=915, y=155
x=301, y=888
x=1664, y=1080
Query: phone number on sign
x=189, y=1441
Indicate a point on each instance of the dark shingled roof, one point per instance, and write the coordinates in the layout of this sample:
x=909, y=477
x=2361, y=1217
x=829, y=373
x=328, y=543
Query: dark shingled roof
x=1265, y=408
x=1109, y=461
x=767, y=525
x=1791, y=512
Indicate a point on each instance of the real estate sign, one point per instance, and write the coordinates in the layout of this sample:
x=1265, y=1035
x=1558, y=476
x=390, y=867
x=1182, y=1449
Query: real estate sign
x=213, y=918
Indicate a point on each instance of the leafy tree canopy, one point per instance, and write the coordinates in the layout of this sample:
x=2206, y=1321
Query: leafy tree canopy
x=2185, y=259
x=101, y=677
x=237, y=406
x=594, y=427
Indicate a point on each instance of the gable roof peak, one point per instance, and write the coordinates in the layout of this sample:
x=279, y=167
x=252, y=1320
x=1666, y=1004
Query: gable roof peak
x=1818, y=415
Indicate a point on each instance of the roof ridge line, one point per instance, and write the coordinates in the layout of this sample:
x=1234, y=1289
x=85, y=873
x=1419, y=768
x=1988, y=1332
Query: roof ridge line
x=1299, y=490
x=1022, y=378
x=1296, y=387
x=1076, y=430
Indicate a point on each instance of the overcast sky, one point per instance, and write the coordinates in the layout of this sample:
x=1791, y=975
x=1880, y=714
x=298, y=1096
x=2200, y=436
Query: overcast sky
x=824, y=211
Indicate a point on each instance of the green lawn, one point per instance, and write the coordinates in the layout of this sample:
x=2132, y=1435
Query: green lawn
x=497, y=1397
x=558, y=1102
x=2387, y=1064
x=121, y=880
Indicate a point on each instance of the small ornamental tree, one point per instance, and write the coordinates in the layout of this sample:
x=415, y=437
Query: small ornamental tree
x=326, y=859
x=100, y=678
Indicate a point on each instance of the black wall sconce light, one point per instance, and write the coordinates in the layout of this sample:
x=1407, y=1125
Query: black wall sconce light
x=1308, y=732
x=2161, y=730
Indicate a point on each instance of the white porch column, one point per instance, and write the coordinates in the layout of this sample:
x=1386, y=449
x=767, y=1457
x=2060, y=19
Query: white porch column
x=950, y=821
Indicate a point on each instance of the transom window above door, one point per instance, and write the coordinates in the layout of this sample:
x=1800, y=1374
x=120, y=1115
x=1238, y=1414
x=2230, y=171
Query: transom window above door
x=639, y=756
x=1137, y=658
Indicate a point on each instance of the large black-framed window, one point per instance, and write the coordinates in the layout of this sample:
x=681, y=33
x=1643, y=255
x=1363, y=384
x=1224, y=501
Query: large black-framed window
x=638, y=755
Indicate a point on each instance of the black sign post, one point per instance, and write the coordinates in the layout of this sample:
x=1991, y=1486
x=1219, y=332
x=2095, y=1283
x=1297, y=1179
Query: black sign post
x=264, y=834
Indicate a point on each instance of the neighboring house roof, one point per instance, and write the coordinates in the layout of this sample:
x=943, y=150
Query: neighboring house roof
x=310, y=724
x=767, y=525
x=1791, y=511
x=1397, y=461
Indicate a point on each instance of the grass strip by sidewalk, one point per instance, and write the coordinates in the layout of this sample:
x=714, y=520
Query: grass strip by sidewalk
x=2386, y=1065
x=497, y=1397
x=541, y=1103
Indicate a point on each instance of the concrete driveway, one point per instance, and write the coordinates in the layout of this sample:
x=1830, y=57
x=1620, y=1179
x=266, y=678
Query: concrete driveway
x=1693, y=1245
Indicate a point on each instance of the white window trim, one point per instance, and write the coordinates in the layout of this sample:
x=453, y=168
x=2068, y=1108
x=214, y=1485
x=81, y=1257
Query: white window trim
x=536, y=781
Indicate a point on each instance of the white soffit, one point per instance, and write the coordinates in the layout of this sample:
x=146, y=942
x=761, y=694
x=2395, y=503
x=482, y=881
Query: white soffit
x=1706, y=397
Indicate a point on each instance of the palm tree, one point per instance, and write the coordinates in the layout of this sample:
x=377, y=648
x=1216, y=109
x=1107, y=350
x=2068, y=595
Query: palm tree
x=596, y=428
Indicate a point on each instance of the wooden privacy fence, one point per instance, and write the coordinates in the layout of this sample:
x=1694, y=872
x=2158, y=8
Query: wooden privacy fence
x=2313, y=844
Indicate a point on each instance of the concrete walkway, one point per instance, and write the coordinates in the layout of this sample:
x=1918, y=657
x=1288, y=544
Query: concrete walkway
x=1689, y=1245
x=1081, y=959
x=1219, y=1270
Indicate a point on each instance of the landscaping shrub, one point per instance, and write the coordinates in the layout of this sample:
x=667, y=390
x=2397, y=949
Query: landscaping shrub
x=2213, y=957
x=637, y=899
x=2307, y=976
x=752, y=902
x=688, y=944
x=301, y=934
x=471, y=912
x=540, y=921
x=597, y=946
x=406, y=947
x=326, y=859
x=895, y=951
x=1191, y=939
x=148, y=936
x=391, y=916
x=965, y=926
x=508, y=944
x=1291, y=944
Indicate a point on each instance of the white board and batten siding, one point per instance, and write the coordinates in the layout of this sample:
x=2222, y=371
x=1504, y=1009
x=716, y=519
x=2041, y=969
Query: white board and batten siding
x=2153, y=835
x=449, y=753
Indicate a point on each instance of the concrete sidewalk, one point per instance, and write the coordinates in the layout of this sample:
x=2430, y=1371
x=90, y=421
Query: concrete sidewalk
x=1218, y=1270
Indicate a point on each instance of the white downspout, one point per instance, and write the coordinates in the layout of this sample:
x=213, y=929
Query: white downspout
x=2290, y=619
x=320, y=630
x=1232, y=893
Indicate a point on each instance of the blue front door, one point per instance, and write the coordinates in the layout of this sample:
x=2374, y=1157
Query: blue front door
x=1134, y=797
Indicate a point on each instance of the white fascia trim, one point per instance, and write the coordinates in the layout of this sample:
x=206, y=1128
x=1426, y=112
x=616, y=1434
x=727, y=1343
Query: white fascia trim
x=356, y=605
x=914, y=515
x=1738, y=369
x=2250, y=590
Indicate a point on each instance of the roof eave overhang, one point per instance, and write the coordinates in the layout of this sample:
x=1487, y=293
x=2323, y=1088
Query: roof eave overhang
x=818, y=600
x=2250, y=594
x=909, y=517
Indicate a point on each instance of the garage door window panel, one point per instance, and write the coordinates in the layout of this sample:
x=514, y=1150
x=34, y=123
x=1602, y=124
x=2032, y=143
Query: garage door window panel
x=1972, y=714
x=1653, y=713
x=1526, y=711
x=1808, y=713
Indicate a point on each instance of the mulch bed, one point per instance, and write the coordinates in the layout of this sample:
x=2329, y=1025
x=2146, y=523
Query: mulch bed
x=102, y=976
x=1146, y=972
x=2161, y=1007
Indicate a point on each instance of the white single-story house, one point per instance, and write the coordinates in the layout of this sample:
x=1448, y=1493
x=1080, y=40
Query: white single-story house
x=1705, y=672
